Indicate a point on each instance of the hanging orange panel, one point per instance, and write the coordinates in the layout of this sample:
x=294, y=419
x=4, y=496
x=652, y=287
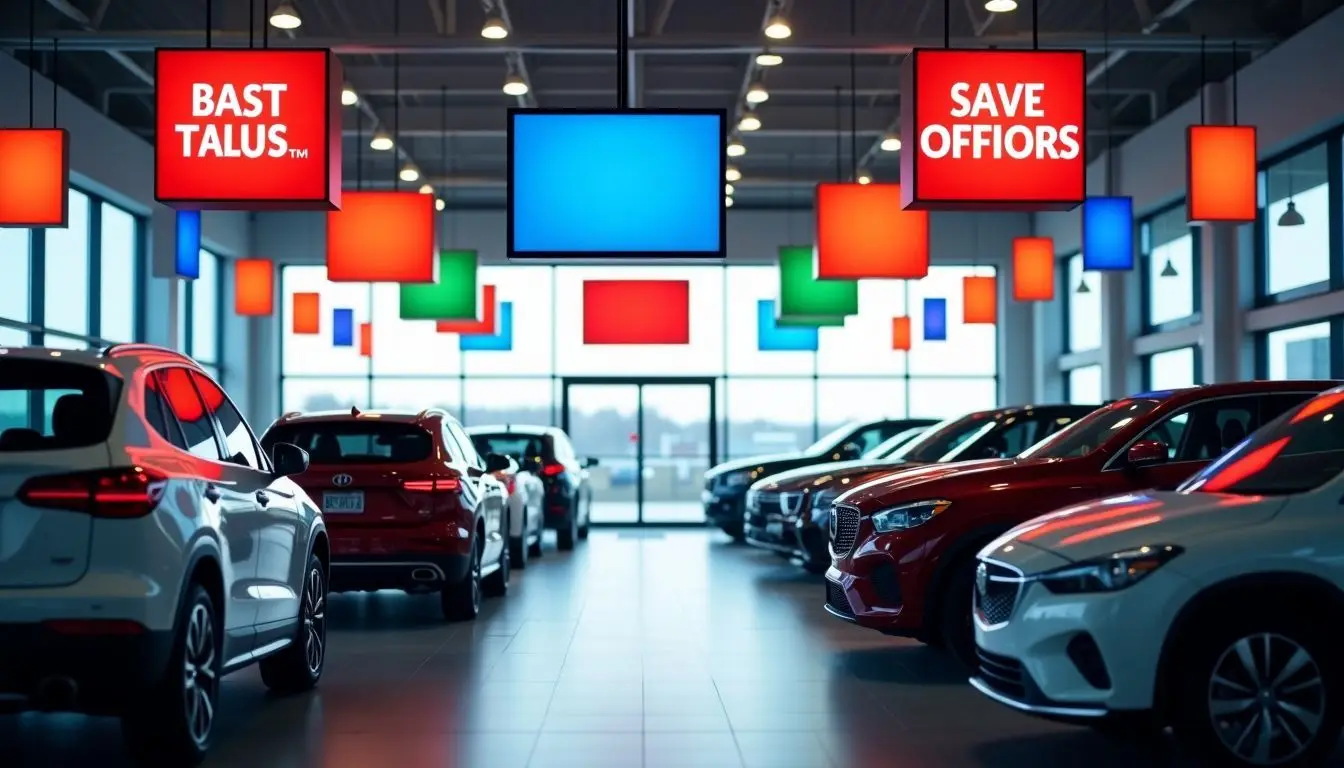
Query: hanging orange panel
x=381, y=237
x=253, y=287
x=900, y=334
x=366, y=339
x=862, y=232
x=35, y=182
x=1221, y=173
x=307, y=313
x=1033, y=269
x=979, y=300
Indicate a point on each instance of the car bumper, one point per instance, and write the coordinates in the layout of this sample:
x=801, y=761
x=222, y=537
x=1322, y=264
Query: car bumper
x=92, y=667
x=412, y=572
x=724, y=511
x=814, y=544
x=874, y=588
x=1080, y=656
x=777, y=536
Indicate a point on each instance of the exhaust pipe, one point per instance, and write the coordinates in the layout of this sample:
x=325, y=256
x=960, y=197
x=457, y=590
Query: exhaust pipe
x=57, y=693
x=424, y=574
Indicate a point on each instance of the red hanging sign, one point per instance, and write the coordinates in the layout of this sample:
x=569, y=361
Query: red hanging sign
x=253, y=287
x=979, y=300
x=34, y=177
x=863, y=233
x=1221, y=173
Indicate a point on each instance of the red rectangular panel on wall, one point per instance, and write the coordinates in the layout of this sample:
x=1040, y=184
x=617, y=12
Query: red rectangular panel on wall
x=486, y=325
x=1033, y=269
x=366, y=339
x=34, y=177
x=979, y=300
x=381, y=237
x=253, y=287
x=307, y=311
x=863, y=233
x=636, y=312
x=1221, y=173
x=900, y=334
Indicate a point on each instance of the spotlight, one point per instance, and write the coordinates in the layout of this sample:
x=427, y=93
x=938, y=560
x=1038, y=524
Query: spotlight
x=778, y=28
x=409, y=173
x=891, y=143
x=348, y=96
x=286, y=16
x=380, y=141
x=494, y=28
x=732, y=174
x=515, y=86
x=749, y=122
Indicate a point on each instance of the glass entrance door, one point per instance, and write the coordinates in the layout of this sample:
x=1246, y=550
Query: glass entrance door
x=653, y=440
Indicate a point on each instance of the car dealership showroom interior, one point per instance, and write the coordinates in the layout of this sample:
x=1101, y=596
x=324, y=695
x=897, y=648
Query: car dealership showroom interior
x=671, y=383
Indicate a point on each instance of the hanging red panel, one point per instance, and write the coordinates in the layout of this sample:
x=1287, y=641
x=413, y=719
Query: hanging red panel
x=484, y=326
x=381, y=237
x=979, y=300
x=1033, y=269
x=35, y=181
x=253, y=287
x=366, y=339
x=862, y=232
x=1221, y=173
x=636, y=312
x=307, y=311
x=900, y=334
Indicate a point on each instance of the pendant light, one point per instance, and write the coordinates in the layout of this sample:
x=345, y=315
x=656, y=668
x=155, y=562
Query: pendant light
x=749, y=122
x=381, y=141
x=515, y=86
x=736, y=148
x=1002, y=6
x=1291, y=217
x=1083, y=286
x=348, y=96
x=1168, y=270
x=777, y=28
x=286, y=16
x=768, y=59
x=732, y=174
x=494, y=28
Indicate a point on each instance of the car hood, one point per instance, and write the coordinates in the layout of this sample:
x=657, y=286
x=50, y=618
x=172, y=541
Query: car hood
x=828, y=473
x=762, y=466
x=1105, y=526
x=878, y=494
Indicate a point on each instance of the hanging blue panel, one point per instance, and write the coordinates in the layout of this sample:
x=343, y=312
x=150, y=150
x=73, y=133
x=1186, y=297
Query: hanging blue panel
x=935, y=319
x=771, y=337
x=187, y=259
x=343, y=327
x=1108, y=233
x=499, y=341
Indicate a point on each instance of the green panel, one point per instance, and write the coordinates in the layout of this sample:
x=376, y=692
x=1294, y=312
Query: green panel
x=453, y=297
x=809, y=321
x=802, y=296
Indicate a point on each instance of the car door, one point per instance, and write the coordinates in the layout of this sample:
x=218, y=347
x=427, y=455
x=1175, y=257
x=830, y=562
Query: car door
x=227, y=499
x=282, y=546
x=493, y=498
x=1196, y=435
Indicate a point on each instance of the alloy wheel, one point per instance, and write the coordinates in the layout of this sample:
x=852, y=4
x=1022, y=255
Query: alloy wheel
x=1266, y=698
x=200, y=680
x=315, y=621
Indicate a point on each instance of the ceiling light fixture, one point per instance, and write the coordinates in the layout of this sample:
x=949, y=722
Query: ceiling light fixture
x=728, y=202
x=426, y=189
x=439, y=205
x=864, y=177
x=515, y=86
x=409, y=173
x=1169, y=270
x=1001, y=6
x=1083, y=287
x=728, y=190
x=381, y=141
x=732, y=174
x=286, y=16
x=348, y=96
x=749, y=122
x=736, y=148
x=494, y=28
x=1291, y=217
x=768, y=59
x=757, y=93
x=891, y=143
x=777, y=28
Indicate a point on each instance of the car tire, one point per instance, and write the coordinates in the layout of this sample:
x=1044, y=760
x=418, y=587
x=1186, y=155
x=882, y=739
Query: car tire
x=1232, y=675
x=173, y=723
x=564, y=537
x=497, y=583
x=299, y=666
x=735, y=532
x=462, y=601
x=534, y=549
x=518, y=552
x=955, y=627
x=583, y=529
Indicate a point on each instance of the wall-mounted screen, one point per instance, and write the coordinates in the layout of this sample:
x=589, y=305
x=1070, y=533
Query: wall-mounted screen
x=640, y=184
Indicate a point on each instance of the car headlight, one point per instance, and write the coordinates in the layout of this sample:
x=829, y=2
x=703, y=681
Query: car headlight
x=908, y=516
x=1110, y=573
x=735, y=479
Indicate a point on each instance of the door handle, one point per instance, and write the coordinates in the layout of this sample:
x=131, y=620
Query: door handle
x=213, y=493
x=263, y=497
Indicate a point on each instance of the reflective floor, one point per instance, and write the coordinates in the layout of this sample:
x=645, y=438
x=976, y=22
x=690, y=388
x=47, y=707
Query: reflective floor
x=643, y=648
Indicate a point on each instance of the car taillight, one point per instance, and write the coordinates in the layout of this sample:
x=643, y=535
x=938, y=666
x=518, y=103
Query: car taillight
x=551, y=470
x=510, y=484
x=443, y=484
x=114, y=493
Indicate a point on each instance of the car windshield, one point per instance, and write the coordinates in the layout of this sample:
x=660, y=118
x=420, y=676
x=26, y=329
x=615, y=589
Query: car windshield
x=1300, y=451
x=1092, y=431
x=893, y=443
x=943, y=438
x=50, y=406
x=521, y=447
x=354, y=442
x=831, y=440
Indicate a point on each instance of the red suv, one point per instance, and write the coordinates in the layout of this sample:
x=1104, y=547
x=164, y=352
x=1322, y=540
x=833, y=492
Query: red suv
x=904, y=545
x=408, y=501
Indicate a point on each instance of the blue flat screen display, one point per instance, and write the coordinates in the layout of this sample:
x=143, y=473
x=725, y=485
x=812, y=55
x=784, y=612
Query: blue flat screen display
x=634, y=183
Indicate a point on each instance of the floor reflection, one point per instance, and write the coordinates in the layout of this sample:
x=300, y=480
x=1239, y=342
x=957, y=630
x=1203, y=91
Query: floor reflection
x=640, y=648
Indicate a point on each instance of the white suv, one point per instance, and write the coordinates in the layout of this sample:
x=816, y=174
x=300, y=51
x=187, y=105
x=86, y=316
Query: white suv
x=1209, y=609
x=147, y=546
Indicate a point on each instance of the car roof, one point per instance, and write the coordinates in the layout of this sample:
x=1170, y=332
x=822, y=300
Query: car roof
x=535, y=430
x=354, y=414
x=1203, y=391
x=122, y=358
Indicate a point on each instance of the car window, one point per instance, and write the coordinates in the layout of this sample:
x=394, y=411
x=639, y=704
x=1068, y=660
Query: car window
x=239, y=446
x=1207, y=430
x=870, y=438
x=455, y=452
x=351, y=441
x=561, y=449
x=160, y=418
x=469, y=454
x=1098, y=428
x=75, y=405
x=185, y=403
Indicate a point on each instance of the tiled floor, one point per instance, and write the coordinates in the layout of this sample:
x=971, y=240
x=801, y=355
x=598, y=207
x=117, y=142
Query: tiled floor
x=653, y=648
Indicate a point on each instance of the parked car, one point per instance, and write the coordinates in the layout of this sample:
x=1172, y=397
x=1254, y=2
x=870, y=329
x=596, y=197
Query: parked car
x=726, y=485
x=905, y=545
x=409, y=502
x=790, y=511
x=1205, y=609
x=526, y=493
x=550, y=455
x=150, y=547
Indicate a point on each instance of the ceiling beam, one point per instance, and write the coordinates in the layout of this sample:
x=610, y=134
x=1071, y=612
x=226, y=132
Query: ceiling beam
x=89, y=25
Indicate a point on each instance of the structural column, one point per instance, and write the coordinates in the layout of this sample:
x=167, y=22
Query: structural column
x=1120, y=319
x=1219, y=271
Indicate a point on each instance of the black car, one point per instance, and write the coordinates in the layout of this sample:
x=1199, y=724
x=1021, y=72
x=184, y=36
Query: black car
x=726, y=485
x=789, y=512
x=547, y=452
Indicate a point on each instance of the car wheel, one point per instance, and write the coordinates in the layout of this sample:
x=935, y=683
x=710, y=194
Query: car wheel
x=1258, y=691
x=519, y=551
x=954, y=615
x=583, y=529
x=564, y=537
x=534, y=549
x=736, y=532
x=299, y=666
x=462, y=601
x=173, y=724
x=497, y=583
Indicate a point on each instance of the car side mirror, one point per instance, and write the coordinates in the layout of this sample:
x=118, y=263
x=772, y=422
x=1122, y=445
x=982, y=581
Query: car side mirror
x=589, y=462
x=495, y=462
x=1146, y=453
x=288, y=459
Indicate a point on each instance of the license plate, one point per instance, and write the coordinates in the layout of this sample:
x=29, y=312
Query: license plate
x=774, y=530
x=349, y=503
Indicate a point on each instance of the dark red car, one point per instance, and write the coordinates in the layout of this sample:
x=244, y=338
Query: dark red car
x=904, y=545
x=409, y=503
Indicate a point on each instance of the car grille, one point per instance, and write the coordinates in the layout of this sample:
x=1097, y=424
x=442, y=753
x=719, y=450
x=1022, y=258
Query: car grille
x=846, y=521
x=1003, y=674
x=996, y=592
x=837, y=599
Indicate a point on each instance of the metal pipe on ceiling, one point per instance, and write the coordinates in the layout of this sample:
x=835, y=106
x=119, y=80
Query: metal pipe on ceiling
x=1120, y=51
x=74, y=14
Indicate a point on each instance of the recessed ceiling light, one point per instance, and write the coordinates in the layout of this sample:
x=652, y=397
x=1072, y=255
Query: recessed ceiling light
x=286, y=16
